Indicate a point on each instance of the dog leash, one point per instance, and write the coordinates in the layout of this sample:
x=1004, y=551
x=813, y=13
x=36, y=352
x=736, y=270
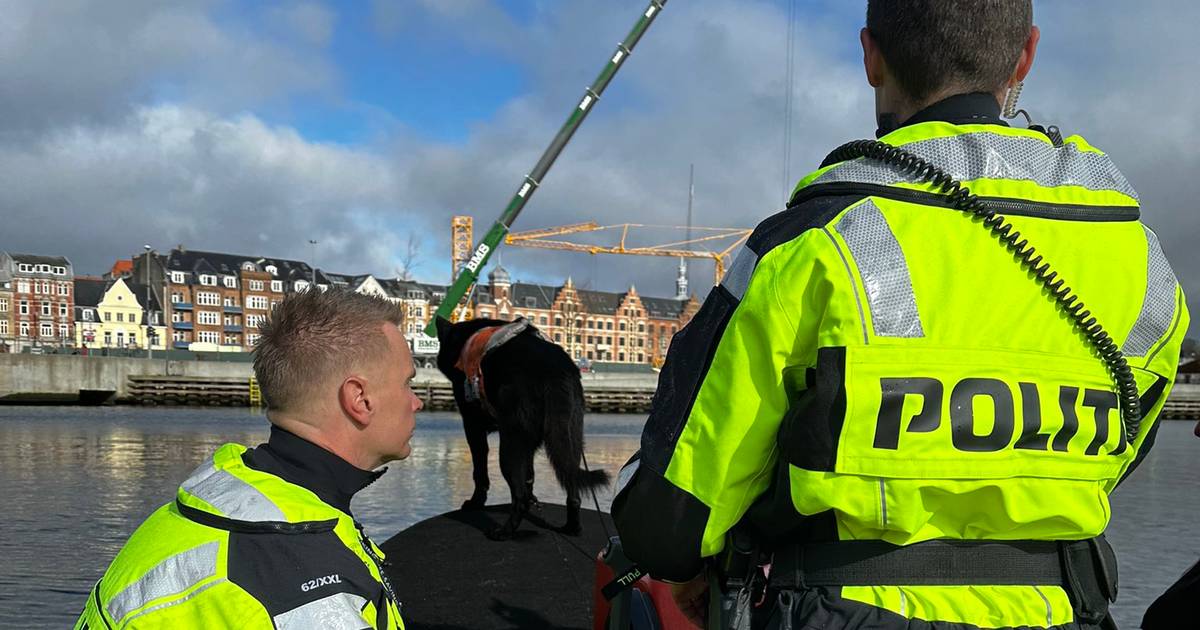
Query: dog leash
x=599, y=514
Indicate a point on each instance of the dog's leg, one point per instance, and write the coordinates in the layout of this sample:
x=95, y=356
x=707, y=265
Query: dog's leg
x=476, y=431
x=516, y=459
x=572, y=527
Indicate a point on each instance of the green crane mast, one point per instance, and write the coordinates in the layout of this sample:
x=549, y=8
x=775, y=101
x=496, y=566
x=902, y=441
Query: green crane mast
x=470, y=271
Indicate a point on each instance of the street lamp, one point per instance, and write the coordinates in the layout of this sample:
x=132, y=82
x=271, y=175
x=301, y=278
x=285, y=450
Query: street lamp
x=149, y=344
x=313, y=249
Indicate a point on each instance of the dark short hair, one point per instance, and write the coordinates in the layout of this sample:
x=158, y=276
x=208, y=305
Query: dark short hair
x=312, y=336
x=961, y=45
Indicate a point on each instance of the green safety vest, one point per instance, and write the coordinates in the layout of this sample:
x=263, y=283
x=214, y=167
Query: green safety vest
x=240, y=548
x=881, y=365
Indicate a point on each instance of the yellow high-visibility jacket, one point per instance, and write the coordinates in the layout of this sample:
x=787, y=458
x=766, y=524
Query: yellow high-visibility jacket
x=882, y=360
x=241, y=548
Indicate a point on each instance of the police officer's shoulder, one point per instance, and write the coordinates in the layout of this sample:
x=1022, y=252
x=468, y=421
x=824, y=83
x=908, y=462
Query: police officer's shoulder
x=811, y=213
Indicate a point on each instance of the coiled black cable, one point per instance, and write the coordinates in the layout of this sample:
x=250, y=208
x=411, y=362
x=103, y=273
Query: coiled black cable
x=962, y=199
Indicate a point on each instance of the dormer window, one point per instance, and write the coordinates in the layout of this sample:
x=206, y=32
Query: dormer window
x=177, y=277
x=247, y=266
x=271, y=269
x=24, y=268
x=61, y=271
x=277, y=286
x=208, y=280
x=530, y=302
x=230, y=282
x=301, y=285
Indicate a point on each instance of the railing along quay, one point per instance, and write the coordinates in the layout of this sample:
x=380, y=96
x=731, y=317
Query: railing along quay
x=1183, y=404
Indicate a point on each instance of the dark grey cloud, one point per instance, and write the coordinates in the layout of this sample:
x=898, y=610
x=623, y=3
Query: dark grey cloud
x=129, y=125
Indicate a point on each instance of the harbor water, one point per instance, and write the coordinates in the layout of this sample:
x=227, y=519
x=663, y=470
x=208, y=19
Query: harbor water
x=75, y=481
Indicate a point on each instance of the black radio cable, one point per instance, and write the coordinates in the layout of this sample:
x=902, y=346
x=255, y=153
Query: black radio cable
x=962, y=199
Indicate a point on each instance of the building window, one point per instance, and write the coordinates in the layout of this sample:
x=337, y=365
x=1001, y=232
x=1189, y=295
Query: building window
x=608, y=325
x=530, y=302
x=256, y=302
x=208, y=280
x=3, y=326
x=121, y=339
x=620, y=341
x=641, y=328
x=176, y=317
x=43, y=268
x=24, y=329
x=208, y=337
x=621, y=327
x=621, y=357
x=208, y=318
x=37, y=288
x=230, y=282
x=46, y=287
x=247, y=266
x=121, y=317
x=45, y=308
x=64, y=288
x=252, y=321
x=229, y=301
x=558, y=337
x=22, y=286
x=108, y=338
x=204, y=298
x=271, y=269
x=301, y=285
x=232, y=340
x=88, y=316
x=46, y=329
x=3, y=305
x=178, y=336
x=177, y=298
x=24, y=268
x=558, y=320
x=256, y=285
x=641, y=358
x=177, y=277
x=277, y=286
x=62, y=271
x=252, y=340
x=24, y=307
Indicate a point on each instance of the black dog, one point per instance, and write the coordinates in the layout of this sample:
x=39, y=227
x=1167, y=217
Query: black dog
x=528, y=389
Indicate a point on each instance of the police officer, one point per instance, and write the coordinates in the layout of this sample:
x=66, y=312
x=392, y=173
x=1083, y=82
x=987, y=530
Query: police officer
x=264, y=537
x=916, y=387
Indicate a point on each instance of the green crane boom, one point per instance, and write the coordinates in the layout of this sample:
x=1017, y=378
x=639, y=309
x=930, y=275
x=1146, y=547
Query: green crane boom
x=470, y=271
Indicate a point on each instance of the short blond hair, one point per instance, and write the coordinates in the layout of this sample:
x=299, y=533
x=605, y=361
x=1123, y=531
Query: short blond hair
x=313, y=336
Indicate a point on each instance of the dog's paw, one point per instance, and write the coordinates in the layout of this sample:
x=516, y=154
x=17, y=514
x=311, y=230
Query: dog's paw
x=473, y=504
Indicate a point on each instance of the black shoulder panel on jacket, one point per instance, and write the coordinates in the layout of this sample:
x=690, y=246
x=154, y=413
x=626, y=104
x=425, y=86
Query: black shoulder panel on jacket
x=284, y=571
x=669, y=524
x=810, y=214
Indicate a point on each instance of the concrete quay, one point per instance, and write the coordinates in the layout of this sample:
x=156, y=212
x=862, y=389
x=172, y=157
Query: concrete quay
x=69, y=379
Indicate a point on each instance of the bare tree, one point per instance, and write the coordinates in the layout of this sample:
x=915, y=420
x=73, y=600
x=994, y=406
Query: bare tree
x=410, y=258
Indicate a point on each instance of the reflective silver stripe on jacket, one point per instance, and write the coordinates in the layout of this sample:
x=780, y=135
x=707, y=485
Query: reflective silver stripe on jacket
x=737, y=278
x=1158, y=304
x=989, y=155
x=340, y=611
x=172, y=576
x=235, y=498
x=883, y=270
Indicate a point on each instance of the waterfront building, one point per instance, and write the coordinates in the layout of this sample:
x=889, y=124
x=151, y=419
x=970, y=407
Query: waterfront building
x=41, y=301
x=597, y=326
x=6, y=312
x=113, y=314
x=216, y=301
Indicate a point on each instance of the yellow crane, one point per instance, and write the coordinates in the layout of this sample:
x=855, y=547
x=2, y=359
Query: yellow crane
x=545, y=238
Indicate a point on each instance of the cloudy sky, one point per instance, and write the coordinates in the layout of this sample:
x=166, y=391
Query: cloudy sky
x=252, y=127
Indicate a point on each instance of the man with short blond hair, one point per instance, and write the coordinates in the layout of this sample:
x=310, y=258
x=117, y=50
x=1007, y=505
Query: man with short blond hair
x=264, y=537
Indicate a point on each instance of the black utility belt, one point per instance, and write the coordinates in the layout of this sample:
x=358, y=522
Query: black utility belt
x=1078, y=565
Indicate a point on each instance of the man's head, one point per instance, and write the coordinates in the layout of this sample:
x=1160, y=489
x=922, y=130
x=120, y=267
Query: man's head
x=917, y=52
x=334, y=369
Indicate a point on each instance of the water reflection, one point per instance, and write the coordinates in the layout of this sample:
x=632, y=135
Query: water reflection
x=74, y=482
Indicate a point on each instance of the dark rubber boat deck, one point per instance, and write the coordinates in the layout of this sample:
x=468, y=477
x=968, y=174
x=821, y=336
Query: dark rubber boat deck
x=449, y=575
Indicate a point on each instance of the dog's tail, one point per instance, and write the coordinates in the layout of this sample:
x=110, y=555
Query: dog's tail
x=564, y=436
